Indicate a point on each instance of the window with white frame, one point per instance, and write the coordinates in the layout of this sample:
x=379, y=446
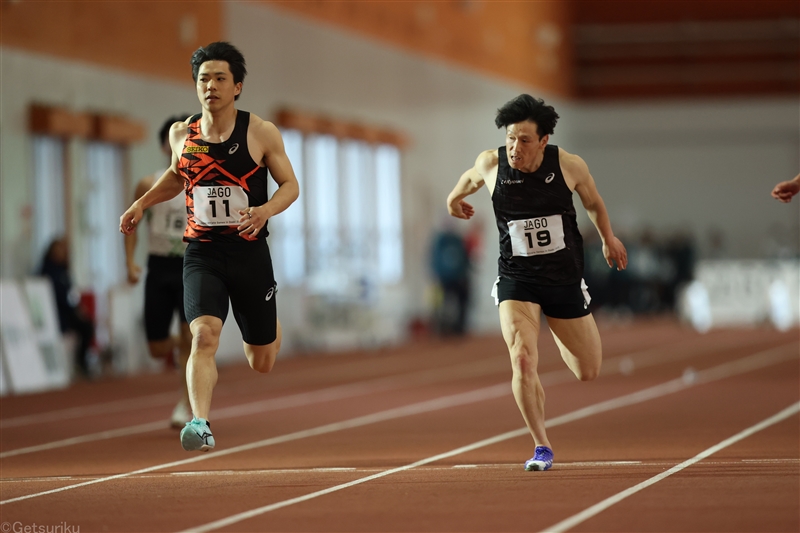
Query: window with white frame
x=104, y=203
x=49, y=207
x=287, y=230
x=346, y=227
x=390, y=224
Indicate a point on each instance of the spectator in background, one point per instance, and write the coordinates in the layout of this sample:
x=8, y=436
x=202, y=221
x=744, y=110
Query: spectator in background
x=450, y=263
x=786, y=189
x=55, y=266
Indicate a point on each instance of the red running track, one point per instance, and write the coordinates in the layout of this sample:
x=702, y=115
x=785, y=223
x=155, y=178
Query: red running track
x=682, y=432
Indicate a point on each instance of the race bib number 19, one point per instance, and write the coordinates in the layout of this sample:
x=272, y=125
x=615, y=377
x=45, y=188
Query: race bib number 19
x=219, y=205
x=536, y=236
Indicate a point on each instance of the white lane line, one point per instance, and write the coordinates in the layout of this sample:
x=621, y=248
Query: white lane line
x=338, y=392
x=647, y=357
x=752, y=362
x=104, y=408
x=110, y=434
x=444, y=402
x=643, y=358
x=740, y=366
x=154, y=400
x=598, y=508
x=334, y=470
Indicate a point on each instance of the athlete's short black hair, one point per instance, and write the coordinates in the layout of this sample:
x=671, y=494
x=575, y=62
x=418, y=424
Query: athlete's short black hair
x=220, y=51
x=163, y=133
x=526, y=107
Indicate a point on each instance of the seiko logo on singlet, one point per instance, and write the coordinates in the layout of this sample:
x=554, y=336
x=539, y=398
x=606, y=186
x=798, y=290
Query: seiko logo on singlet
x=511, y=182
x=549, y=177
x=196, y=149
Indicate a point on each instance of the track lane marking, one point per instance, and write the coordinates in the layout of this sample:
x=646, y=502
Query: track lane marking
x=746, y=364
x=338, y=392
x=154, y=400
x=646, y=358
x=598, y=508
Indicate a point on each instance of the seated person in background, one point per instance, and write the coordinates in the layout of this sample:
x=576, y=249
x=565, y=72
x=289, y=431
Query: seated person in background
x=55, y=266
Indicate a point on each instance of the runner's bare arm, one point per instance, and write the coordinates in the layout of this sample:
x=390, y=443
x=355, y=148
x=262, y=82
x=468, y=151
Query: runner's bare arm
x=134, y=270
x=280, y=168
x=786, y=189
x=268, y=139
x=577, y=172
x=469, y=183
x=168, y=186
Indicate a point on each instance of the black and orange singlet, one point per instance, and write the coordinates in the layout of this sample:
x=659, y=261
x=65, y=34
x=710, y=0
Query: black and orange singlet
x=220, y=179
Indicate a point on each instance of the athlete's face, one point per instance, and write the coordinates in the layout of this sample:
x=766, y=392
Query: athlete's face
x=524, y=148
x=215, y=86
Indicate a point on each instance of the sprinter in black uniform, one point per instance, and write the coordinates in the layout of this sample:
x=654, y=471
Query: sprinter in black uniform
x=541, y=252
x=221, y=158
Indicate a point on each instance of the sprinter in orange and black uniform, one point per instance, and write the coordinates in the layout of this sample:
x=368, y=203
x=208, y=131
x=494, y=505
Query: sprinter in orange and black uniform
x=220, y=180
x=221, y=159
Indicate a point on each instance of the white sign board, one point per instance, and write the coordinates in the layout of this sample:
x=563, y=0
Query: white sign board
x=26, y=369
x=746, y=293
x=44, y=318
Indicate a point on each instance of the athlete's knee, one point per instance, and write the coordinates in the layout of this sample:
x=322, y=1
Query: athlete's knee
x=263, y=361
x=204, y=337
x=523, y=359
x=262, y=365
x=262, y=358
x=589, y=370
x=588, y=373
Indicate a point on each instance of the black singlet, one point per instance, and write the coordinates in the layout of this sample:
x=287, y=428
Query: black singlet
x=220, y=179
x=539, y=238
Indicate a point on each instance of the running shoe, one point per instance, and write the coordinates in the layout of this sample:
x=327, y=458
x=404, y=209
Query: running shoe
x=180, y=415
x=196, y=435
x=542, y=459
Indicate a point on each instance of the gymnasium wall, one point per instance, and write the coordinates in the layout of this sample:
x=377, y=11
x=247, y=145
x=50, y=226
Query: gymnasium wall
x=701, y=167
x=692, y=165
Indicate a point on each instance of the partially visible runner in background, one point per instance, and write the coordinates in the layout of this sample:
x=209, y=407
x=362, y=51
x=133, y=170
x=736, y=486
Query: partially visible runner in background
x=163, y=288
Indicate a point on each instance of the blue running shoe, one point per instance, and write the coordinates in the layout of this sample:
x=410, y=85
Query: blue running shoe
x=196, y=435
x=542, y=459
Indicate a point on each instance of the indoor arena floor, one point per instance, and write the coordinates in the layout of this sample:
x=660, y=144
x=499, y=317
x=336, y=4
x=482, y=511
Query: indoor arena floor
x=681, y=432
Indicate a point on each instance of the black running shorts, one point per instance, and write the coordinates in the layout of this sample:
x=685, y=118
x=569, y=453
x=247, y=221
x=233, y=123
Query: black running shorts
x=214, y=273
x=556, y=301
x=163, y=295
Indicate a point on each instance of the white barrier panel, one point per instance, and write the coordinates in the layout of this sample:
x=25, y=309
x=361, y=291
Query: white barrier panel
x=44, y=319
x=743, y=293
x=23, y=361
x=4, y=388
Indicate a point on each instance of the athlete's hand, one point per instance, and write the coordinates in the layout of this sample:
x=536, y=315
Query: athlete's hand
x=614, y=250
x=785, y=190
x=252, y=220
x=134, y=273
x=129, y=219
x=461, y=210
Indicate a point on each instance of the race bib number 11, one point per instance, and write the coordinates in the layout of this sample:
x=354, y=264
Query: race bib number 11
x=219, y=205
x=536, y=236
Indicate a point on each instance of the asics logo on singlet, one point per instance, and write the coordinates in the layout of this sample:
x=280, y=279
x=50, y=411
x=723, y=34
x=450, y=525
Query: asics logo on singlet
x=511, y=182
x=270, y=292
x=549, y=177
x=233, y=148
